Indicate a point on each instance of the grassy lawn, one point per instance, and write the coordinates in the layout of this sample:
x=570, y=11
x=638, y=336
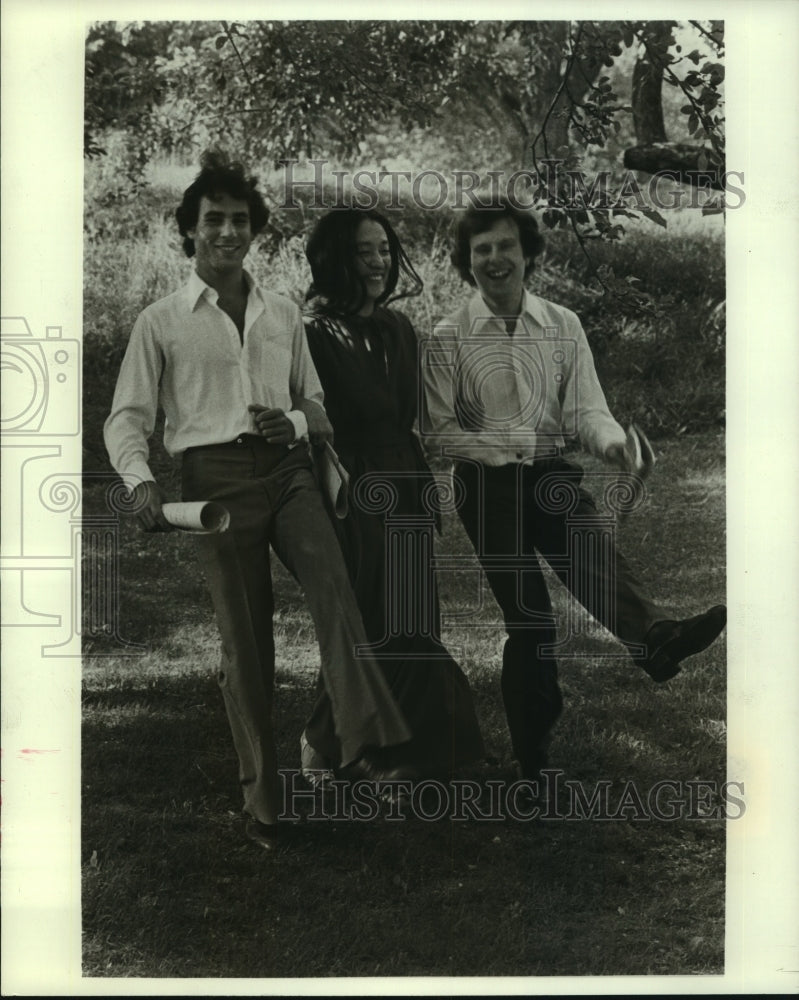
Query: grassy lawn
x=172, y=889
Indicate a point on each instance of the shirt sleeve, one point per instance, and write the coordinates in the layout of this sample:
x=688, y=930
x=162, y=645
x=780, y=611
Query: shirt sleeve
x=304, y=379
x=439, y=428
x=133, y=412
x=585, y=407
x=300, y=422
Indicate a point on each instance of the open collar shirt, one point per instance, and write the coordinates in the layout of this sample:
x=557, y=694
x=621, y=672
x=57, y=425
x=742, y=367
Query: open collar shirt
x=185, y=355
x=499, y=398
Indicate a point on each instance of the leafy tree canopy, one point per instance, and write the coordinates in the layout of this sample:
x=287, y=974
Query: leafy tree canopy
x=301, y=88
x=526, y=92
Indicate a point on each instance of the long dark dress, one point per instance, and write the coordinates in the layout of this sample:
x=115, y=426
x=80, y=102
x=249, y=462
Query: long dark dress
x=368, y=370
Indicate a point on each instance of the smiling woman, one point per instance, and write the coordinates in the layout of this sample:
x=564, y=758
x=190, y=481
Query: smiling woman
x=372, y=262
x=366, y=358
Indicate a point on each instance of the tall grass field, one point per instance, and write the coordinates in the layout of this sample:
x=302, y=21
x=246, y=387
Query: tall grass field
x=172, y=889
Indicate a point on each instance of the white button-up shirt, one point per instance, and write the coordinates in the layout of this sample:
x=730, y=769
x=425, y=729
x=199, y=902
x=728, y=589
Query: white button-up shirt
x=185, y=354
x=502, y=398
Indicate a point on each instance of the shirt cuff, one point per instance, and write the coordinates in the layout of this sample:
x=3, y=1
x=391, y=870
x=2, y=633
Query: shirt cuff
x=603, y=440
x=297, y=417
x=139, y=472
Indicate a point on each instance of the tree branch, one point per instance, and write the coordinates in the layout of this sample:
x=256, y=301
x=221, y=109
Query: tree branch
x=718, y=46
x=232, y=41
x=707, y=124
x=542, y=132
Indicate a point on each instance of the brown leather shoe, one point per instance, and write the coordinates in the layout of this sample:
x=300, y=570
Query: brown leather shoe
x=669, y=643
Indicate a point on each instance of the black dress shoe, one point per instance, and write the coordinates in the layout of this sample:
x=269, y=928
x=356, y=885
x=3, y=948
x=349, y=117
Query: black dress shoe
x=262, y=834
x=669, y=643
x=315, y=768
x=370, y=767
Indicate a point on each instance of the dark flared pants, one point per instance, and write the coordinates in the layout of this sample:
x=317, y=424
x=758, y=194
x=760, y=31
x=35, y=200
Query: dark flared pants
x=510, y=513
x=273, y=500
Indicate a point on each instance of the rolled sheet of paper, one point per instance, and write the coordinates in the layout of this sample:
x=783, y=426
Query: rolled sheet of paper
x=640, y=451
x=642, y=458
x=201, y=517
x=333, y=479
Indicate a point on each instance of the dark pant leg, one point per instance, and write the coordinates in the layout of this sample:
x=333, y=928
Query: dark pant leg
x=363, y=708
x=579, y=544
x=236, y=566
x=493, y=515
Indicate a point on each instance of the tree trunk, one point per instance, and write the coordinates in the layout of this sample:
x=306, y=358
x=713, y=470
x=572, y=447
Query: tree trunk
x=554, y=95
x=647, y=103
x=686, y=163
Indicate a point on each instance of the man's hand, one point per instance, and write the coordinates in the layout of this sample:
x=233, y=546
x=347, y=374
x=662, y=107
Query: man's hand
x=149, y=498
x=320, y=430
x=616, y=454
x=273, y=425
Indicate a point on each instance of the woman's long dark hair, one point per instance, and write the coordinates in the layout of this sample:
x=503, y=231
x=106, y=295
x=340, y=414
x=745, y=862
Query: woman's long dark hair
x=331, y=252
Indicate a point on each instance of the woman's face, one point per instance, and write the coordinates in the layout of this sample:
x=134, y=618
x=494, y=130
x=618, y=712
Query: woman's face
x=372, y=259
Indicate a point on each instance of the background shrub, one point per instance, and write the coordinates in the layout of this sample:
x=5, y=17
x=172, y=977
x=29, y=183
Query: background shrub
x=662, y=367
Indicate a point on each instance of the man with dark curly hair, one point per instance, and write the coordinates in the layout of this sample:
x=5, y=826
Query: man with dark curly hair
x=509, y=379
x=224, y=359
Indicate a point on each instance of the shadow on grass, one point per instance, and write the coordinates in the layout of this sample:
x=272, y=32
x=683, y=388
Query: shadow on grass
x=172, y=888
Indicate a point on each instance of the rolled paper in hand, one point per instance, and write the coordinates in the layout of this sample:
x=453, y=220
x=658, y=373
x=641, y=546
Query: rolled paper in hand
x=333, y=479
x=201, y=517
x=641, y=456
x=639, y=451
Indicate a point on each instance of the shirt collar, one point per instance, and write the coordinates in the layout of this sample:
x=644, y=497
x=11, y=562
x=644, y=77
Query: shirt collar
x=196, y=289
x=478, y=310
